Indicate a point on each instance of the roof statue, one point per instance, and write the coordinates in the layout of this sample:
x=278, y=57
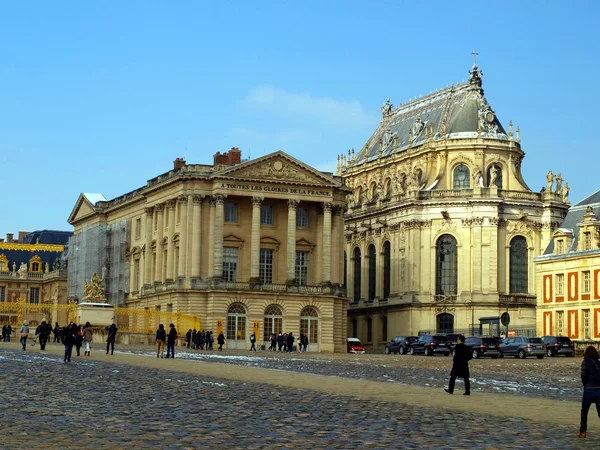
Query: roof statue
x=386, y=109
x=549, y=181
x=565, y=193
x=22, y=271
x=559, y=181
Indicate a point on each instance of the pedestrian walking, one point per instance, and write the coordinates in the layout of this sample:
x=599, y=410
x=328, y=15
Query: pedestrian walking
x=273, y=346
x=590, y=377
x=194, y=337
x=24, y=333
x=57, y=332
x=9, y=331
x=188, y=338
x=210, y=340
x=460, y=366
x=290, y=342
x=68, y=339
x=161, y=339
x=305, y=343
x=78, y=339
x=253, y=342
x=280, y=341
x=87, y=338
x=44, y=333
x=172, y=336
x=221, y=341
x=111, y=338
x=201, y=339
x=300, y=339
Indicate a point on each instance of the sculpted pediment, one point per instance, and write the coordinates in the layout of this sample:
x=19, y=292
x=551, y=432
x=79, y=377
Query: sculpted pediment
x=277, y=167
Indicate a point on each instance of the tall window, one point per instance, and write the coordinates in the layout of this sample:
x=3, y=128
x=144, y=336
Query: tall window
x=309, y=324
x=560, y=322
x=560, y=284
x=560, y=246
x=35, y=267
x=372, y=271
x=498, y=170
x=266, y=215
x=519, y=273
x=136, y=275
x=3, y=266
x=357, y=274
x=386, y=269
x=586, y=324
x=266, y=266
x=230, y=258
x=34, y=295
x=446, y=275
x=236, y=322
x=445, y=323
x=138, y=229
x=345, y=280
x=273, y=322
x=586, y=282
x=231, y=215
x=354, y=327
x=462, y=177
x=384, y=328
x=369, y=329
x=587, y=236
x=2, y=293
x=301, y=218
x=302, y=268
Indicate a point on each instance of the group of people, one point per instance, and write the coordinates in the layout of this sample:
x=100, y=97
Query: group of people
x=196, y=340
x=285, y=342
x=6, y=332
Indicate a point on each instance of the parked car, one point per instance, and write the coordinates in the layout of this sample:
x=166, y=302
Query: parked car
x=400, y=344
x=522, y=347
x=452, y=339
x=430, y=345
x=353, y=345
x=559, y=345
x=483, y=346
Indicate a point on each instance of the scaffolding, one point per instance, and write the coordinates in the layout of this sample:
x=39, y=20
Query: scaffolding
x=100, y=248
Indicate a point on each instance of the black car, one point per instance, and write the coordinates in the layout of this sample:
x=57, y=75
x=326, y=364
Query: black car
x=559, y=345
x=452, y=338
x=430, y=345
x=400, y=344
x=483, y=346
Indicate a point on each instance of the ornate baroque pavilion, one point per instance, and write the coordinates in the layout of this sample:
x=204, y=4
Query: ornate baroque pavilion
x=441, y=228
x=247, y=245
x=568, y=275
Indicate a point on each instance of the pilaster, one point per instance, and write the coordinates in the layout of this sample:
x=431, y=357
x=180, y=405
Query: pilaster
x=183, y=229
x=326, y=278
x=219, y=200
x=170, y=234
x=255, y=241
x=158, y=275
x=196, y=235
x=290, y=274
x=148, y=252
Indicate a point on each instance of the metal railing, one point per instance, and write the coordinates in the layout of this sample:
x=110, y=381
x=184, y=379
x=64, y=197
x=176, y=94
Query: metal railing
x=518, y=298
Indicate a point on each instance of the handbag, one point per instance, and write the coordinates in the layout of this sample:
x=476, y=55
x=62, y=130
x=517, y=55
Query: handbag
x=24, y=335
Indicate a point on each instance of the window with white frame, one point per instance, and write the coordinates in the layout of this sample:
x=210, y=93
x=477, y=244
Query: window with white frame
x=266, y=266
x=2, y=293
x=585, y=275
x=586, y=323
x=230, y=258
x=560, y=246
x=301, y=218
x=302, y=268
x=34, y=295
x=266, y=215
x=560, y=284
x=560, y=322
x=587, y=240
x=231, y=215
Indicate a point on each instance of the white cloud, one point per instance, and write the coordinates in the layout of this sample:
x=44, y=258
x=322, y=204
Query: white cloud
x=324, y=109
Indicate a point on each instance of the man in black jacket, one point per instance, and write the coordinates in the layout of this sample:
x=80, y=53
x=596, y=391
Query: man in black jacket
x=171, y=341
x=44, y=333
x=460, y=366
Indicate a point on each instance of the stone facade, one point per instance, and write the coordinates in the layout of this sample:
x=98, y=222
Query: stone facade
x=442, y=229
x=248, y=246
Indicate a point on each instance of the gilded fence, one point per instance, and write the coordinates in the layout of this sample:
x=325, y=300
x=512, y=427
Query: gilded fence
x=14, y=313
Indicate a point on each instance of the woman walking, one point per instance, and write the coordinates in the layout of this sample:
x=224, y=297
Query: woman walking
x=590, y=377
x=24, y=334
x=161, y=338
x=87, y=338
x=68, y=339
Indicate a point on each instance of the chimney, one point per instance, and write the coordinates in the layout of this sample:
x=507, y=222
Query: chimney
x=9, y=237
x=178, y=163
x=221, y=159
x=235, y=156
x=22, y=235
x=1, y=240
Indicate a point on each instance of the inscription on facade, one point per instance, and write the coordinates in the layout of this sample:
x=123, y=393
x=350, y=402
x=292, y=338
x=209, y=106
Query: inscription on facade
x=275, y=189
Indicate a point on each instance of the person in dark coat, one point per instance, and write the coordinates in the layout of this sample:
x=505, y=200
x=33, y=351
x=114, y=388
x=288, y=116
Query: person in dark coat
x=221, y=341
x=78, y=339
x=590, y=377
x=161, y=339
x=57, y=332
x=273, y=342
x=253, y=342
x=111, y=338
x=194, y=338
x=188, y=338
x=210, y=339
x=201, y=339
x=460, y=366
x=280, y=341
x=44, y=334
x=68, y=339
x=9, y=331
x=290, y=342
x=171, y=337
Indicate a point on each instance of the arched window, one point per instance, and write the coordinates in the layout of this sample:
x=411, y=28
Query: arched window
x=462, y=177
x=387, y=253
x=372, y=271
x=446, y=262
x=357, y=274
x=309, y=324
x=518, y=265
x=388, y=188
x=374, y=192
x=384, y=328
x=497, y=175
x=354, y=328
x=358, y=195
x=369, y=329
x=273, y=322
x=445, y=323
x=345, y=279
x=236, y=322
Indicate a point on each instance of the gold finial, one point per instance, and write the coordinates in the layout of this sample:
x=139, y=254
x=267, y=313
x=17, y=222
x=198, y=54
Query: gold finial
x=518, y=135
x=510, y=132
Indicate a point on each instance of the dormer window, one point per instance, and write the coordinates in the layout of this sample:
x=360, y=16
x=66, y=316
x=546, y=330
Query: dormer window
x=3, y=263
x=560, y=246
x=587, y=240
x=35, y=264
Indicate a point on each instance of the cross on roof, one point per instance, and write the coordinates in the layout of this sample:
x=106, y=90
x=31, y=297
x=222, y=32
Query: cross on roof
x=474, y=53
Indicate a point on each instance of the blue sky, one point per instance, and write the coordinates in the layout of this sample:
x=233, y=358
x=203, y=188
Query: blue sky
x=101, y=96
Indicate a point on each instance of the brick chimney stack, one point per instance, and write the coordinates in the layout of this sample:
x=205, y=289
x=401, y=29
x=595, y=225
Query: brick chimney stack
x=178, y=163
x=230, y=158
x=9, y=237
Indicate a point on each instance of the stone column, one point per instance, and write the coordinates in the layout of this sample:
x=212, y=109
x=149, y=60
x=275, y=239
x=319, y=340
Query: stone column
x=196, y=235
x=218, y=235
x=183, y=227
x=159, y=237
x=148, y=251
x=337, y=249
x=170, y=233
x=255, y=241
x=327, y=242
x=290, y=273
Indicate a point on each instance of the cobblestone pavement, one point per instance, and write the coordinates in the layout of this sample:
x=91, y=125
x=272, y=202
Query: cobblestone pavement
x=553, y=378
x=101, y=405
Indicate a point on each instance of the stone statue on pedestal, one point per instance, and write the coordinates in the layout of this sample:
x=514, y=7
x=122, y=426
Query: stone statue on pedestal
x=549, y=181
x=94, y=290
x=23, y=271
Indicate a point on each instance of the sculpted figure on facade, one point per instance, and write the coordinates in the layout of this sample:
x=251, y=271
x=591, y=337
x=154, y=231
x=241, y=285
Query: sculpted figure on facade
x=565, y=193
x=493, y=176
x=549, y=181
x=559, y=181
x=14, y=266
x=386, y=109
x=94, y=289
x=23, y=271
x=417, y=128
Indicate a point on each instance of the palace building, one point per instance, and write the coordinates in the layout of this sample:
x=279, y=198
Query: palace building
x=252, y=245
x=568, y=275
x=441, y=228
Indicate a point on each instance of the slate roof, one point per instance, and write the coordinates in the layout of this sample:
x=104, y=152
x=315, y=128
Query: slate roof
x=462, y=107
x=49, y=245
x=575, y=216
